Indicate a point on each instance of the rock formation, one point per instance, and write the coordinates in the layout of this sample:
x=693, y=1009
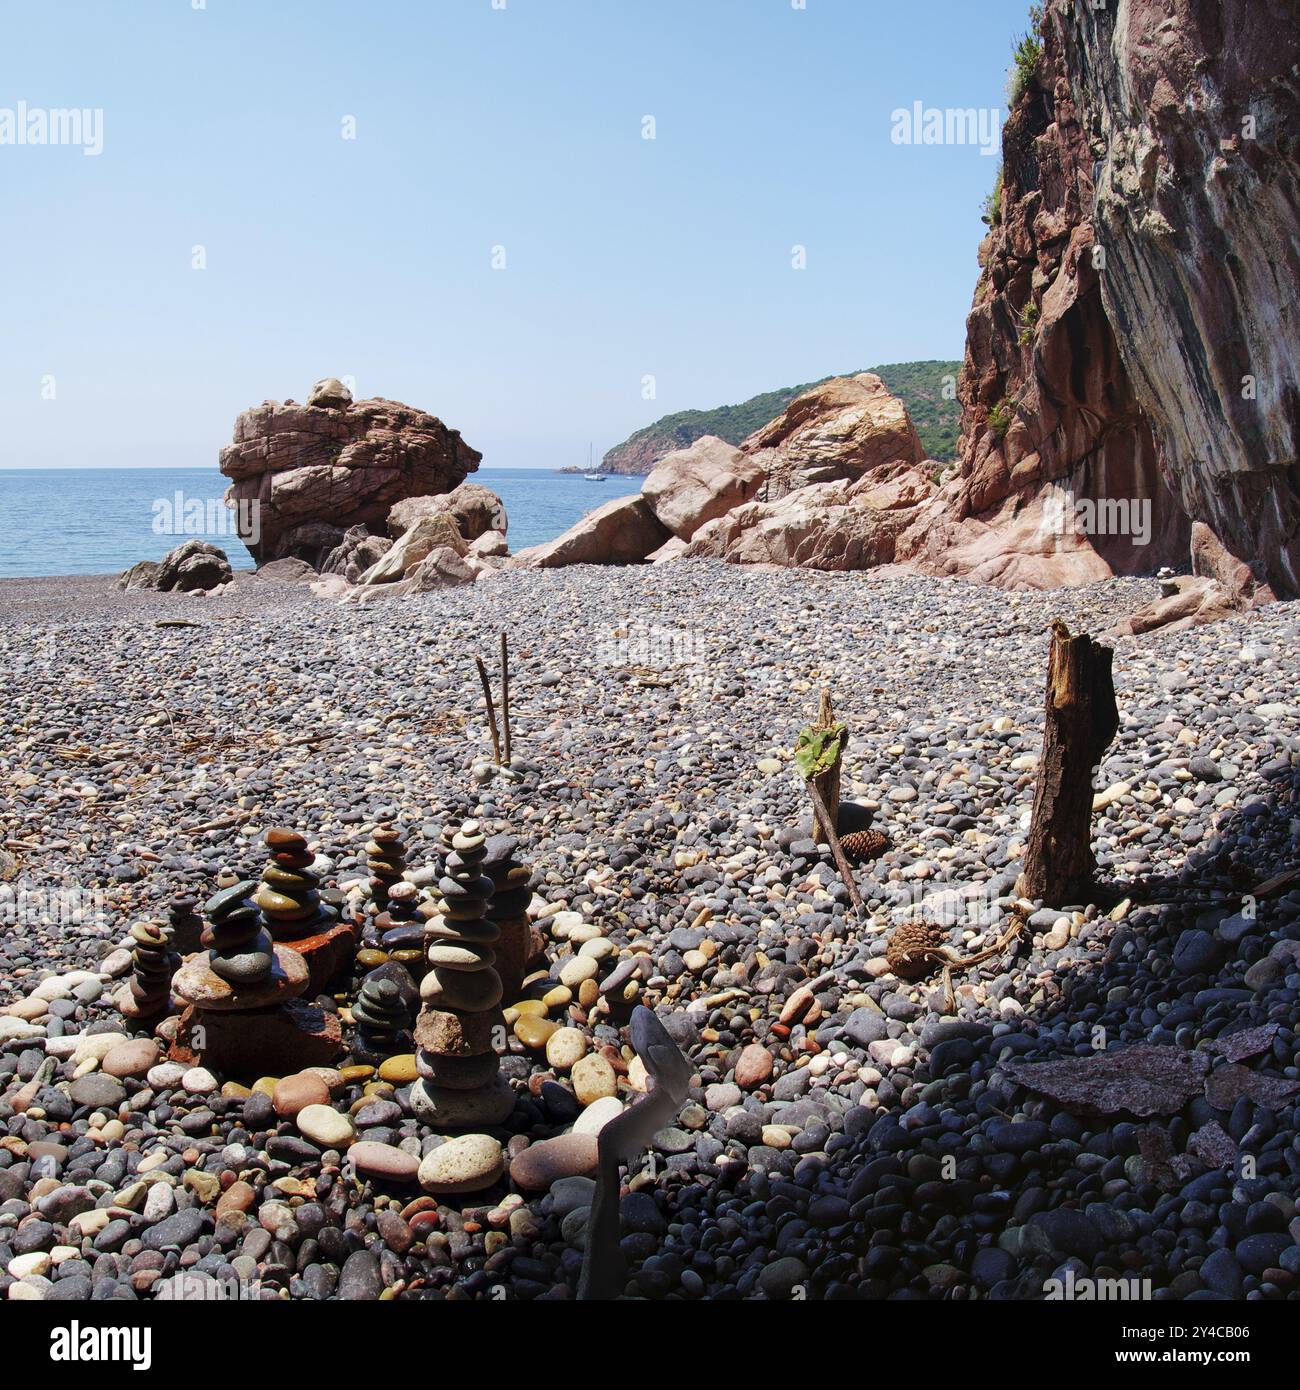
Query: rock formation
x=356, y=553
x=460, y=1084
x=318, y=469
x=475, y=510
x=1218, y=586
x=439, y=542
x=1193, y=111
x=837, y=432
x=799, y=491
x=1133, y=338
x=192, y=565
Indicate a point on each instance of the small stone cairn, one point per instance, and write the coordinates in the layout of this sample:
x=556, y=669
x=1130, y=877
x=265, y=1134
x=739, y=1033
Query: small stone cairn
x=381, y=1017
x=296, y=913
x=184, y=924
x=287, y=895
x=401, y=928
x=508, y=909
x=386, y=860
x=243, y=1013
x=460, y=1084
x=148, y=992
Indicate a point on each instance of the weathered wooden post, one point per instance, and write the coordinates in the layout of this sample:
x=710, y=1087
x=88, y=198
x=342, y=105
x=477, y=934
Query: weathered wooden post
x=1081, y=719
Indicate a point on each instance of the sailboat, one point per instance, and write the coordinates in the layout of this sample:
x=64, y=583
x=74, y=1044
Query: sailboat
x=591, y=475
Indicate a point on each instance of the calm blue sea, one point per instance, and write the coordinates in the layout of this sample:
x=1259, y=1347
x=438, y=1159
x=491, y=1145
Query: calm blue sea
x=101, y=520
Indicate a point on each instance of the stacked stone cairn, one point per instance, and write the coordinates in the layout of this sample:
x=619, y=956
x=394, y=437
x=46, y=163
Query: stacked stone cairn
x=149, y=990
x=386, y=860
x=508, y=908
x=401, y=928
x=297, y=914
x=460, y=1085
x=184, y=924
x=243, y=1013
x=287, y=895
x=382, y=1018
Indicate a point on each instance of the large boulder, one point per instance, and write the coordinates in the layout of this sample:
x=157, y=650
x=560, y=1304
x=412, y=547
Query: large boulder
x=1212, y=560
x=475, y=509
x=702, y=482
x=837, y=431
x=443, y=567
x=355, y=554
x=287, y=571
x=316, y=470
x=330, y=393
x=193, y=565
x=819, y=527
x=624, y=531
x=141, y=575
x=436, y=532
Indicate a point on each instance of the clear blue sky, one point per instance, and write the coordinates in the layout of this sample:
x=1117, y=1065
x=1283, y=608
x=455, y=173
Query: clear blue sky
x=476, y=127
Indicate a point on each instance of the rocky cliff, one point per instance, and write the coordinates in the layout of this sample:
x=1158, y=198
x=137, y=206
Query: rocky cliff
x=1135, y=336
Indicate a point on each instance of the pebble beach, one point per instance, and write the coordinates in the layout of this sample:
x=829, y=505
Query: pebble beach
x=847, y=1134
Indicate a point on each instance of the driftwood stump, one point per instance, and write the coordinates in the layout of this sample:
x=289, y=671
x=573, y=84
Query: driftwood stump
x=1081, y=719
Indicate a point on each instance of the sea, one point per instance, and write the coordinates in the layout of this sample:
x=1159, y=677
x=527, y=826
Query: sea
x=102, y=520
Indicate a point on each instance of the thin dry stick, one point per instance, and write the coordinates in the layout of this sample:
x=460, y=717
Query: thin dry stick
x=846, y=873
x=491, y=709
x=505, y=693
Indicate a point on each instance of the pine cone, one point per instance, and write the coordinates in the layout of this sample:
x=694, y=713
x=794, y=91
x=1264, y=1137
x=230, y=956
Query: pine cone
x=907, y=948
x=865, y=845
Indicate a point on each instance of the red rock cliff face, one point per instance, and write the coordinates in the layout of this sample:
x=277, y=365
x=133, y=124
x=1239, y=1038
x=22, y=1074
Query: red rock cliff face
x=1193, y=110
x=1141, y=272
x=1046, y=399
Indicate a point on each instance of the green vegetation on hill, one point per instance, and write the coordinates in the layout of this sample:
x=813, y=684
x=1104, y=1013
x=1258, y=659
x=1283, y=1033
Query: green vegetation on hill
x=920, y=386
